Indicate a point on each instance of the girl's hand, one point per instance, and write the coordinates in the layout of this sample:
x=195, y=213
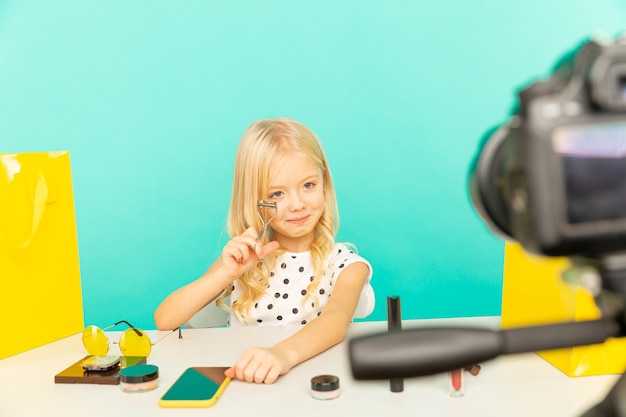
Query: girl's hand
x=260, y=365
x=244, y=251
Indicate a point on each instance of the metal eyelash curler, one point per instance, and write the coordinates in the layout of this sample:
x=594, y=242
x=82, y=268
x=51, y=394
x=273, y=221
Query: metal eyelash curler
x=263, y=208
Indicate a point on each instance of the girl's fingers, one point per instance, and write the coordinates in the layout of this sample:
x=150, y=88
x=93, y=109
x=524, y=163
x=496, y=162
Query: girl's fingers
x=237, y=250
x=261, y=372
x=272, y=375
x=240, y=248
x=268, y=248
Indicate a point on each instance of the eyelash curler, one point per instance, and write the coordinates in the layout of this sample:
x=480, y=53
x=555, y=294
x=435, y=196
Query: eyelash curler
x=263, y=209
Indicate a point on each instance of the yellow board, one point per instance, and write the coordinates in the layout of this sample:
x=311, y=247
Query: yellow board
x=40, y=292
x=533, y=293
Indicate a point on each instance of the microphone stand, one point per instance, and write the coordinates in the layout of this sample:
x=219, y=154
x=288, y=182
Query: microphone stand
x=421, y=352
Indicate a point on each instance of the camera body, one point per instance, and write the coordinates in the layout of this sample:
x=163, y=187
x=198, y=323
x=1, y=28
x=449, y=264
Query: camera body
x=553, y=177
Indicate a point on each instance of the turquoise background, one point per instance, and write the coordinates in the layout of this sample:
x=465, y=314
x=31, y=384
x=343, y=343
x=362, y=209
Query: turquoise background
x=151, y=98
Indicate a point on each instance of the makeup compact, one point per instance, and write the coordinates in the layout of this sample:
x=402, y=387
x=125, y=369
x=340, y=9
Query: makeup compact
x=325, y=387
x=139, y=378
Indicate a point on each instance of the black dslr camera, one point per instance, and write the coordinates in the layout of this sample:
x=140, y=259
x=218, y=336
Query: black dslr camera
x=554, y=177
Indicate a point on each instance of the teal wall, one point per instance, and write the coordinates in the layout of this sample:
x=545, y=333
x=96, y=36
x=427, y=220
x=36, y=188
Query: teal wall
x=151, y=97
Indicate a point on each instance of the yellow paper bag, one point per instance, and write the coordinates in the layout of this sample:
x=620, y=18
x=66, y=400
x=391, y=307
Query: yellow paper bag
x=40, y=293
x=533, y=293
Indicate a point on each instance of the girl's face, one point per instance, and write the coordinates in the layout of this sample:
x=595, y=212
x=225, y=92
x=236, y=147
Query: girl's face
x=297, y=186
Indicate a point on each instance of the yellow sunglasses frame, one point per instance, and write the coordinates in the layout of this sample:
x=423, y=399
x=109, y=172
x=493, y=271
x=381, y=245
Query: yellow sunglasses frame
x=97, y=343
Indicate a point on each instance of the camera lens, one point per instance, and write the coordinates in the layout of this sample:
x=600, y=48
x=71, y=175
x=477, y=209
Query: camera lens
x=486, y=180
x=621, y=87
x=608, y=79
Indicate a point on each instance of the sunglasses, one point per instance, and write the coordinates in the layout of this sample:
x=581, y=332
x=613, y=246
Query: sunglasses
x=133, y=342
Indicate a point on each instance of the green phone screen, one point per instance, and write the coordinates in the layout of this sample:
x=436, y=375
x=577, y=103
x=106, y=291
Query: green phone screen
x=196, y=384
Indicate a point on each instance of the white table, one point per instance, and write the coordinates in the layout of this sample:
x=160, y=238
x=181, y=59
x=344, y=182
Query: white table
x=518, y=385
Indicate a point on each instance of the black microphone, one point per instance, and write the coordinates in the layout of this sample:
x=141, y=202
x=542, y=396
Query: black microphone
x=429, y=351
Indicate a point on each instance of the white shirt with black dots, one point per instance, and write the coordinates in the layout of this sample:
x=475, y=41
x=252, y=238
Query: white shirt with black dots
x=282, y=302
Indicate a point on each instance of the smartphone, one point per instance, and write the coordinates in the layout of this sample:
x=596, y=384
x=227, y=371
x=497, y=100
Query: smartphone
x=197, y=387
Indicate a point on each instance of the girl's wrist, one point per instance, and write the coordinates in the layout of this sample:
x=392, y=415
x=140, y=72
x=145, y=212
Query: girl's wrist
x=221, y=274
x=290, y=356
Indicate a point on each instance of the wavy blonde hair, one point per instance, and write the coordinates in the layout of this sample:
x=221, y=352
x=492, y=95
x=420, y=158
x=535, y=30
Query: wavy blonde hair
x=265, y=145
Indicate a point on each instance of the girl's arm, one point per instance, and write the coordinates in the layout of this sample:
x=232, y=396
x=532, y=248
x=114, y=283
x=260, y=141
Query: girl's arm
x=265, y=365
x=238, y=256
x=182, y=304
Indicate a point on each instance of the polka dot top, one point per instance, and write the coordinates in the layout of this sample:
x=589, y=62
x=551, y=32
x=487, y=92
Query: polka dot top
x=282, y=302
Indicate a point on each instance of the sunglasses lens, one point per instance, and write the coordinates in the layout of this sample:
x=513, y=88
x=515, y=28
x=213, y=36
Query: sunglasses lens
x=95, y=341
x=134, y=344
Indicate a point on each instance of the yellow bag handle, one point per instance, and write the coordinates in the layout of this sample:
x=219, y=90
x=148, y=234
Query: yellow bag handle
x=40, y=200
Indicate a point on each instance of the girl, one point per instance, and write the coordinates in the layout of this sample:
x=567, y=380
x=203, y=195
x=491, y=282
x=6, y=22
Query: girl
x=291, y=278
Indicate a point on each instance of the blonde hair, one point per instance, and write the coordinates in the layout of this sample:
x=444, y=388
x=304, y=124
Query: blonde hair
x=265, y=145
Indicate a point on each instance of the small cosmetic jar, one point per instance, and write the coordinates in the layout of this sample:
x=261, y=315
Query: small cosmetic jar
x=325, y=387
x=139, y=378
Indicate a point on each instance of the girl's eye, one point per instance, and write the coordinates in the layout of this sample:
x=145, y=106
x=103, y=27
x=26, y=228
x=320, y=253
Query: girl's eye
x=308, y=185
x=277, y=194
